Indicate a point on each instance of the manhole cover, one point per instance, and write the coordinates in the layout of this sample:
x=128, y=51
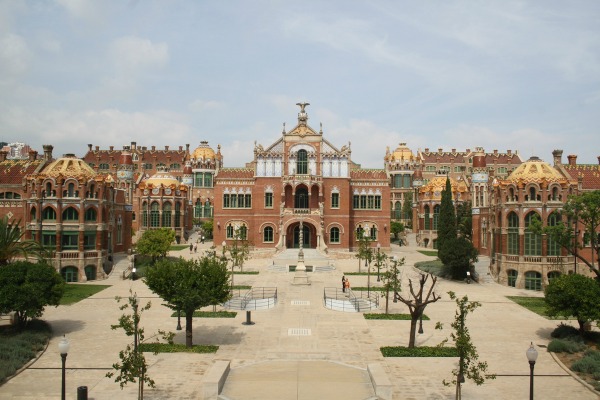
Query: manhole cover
x=298, y=332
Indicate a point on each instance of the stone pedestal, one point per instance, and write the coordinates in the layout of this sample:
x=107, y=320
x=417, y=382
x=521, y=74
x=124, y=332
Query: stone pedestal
x=300, y=276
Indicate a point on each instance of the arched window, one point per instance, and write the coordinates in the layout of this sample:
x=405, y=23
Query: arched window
x=92, y=192
x=90, y=215
x=301, y=198
x=71, y=190
x=70, y=274
x=166, y=215
x=533, y=241
x=533, y=280
x=373, y=233
x=302, y=162
x=33, y=214
x=427, y=220
x=553, y=275
x=145, y=213
x=207, y=209
x=334, y=235
x=512, y=277
x=553, y=248
x=120, y=230
x=229, y=231
x=90, y=272
x=436, y=216
x=48, y=190
x=154, y=215
x=177, y=214
x=397, y=210
x=243, y=232
x=70, y=214
x=513, y=233
x=268, y=234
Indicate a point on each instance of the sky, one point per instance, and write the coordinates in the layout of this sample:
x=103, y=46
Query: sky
x=519, y=75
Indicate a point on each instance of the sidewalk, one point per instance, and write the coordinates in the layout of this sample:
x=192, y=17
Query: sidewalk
x=334, y=353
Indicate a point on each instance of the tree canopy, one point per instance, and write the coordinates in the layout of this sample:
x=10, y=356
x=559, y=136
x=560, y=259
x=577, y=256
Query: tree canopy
x=155, y=243
x=13, y=245
x=446, y=231
x=26, y=288
x=188, y=285
x=574, y=295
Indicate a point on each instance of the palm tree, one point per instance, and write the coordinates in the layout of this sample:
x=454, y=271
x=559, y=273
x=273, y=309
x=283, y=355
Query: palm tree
x=11, y=244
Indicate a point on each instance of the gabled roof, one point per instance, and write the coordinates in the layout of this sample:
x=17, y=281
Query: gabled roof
x=229, y=173
x=589, y=173
x=12, y=172
x=368, y=174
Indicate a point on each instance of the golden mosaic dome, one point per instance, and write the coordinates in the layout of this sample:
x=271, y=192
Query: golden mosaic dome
x=69, y=166
x=535, y=170
x=402, y=152
x=433, y=188
x=162, y=177
x=203, y=152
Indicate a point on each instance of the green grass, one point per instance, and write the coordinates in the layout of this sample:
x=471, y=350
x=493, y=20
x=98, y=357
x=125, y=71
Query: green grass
x=76, y=292
x=210, y=314
x=177, y=247
x=433, y=267
x=535, y=304
x=393, y=317
x=177, y=348
x=357, y=273
x=245, y=272
x=18, y=347
x=365, y=289
x=430, y=253
x=423, y=351
x=242, y=287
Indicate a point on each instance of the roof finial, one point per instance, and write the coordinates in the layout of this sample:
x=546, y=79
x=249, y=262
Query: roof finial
x=302, y=116
x=321, y=130
x=283, y=131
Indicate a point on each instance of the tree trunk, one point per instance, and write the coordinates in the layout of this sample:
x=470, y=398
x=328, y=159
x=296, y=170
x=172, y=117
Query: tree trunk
x=387, y=300
x=189, y=314
x=413, y=330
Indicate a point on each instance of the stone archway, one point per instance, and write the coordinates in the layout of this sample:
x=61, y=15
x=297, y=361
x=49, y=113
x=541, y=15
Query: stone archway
x=293, y=235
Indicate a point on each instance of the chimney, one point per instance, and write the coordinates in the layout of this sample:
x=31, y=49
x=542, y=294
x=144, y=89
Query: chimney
x=557, y=155
x=97, y=148
x=440, y=150
x=572, y=159
x=153, y=148
x=3, y=154
x=111, y=148
x=598, y=160
x=426, y=149
x=454, y=150
x=89, y=147
x=32, y=155
x=468, y=150
x=509, y=152
x=133, y=145
x=48, y=152
x=495, y=151
x=166, y=148
x=187, y=147
x=180, y=148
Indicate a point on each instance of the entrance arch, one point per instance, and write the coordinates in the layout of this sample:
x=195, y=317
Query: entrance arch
x=293, y=236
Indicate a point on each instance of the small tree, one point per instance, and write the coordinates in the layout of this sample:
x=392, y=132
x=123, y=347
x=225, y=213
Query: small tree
x=468, y=365
x=396, y=228
x=188, y=285
x=464, y=220
x=392, y=281
x=460, y=256
x=133, y=365
x=416, y=304
x=407, y=208
x=239, y=249
x=13, y=245
x=365, y=252
x=155, y=243
x=574, y=296
x=207, y=228
x=27, y=288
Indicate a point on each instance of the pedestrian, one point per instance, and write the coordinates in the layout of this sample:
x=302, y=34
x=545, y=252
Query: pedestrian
x=343, y=284
x=347, y=284
x=191, y=247
x=202, y=239
x=195, y=248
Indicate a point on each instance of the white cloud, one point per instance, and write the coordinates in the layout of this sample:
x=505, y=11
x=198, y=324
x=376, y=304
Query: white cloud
x=83, y=9
x=132, y=54
x=199, y=105
x=15, y=56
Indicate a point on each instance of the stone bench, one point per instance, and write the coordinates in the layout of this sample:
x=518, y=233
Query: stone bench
x=214, y=379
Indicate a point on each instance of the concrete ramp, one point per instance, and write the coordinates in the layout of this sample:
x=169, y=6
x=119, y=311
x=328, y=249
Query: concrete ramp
x=298, y=380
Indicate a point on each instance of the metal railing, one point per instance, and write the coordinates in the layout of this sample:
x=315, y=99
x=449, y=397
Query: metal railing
x=255, y=299
x=349, y=301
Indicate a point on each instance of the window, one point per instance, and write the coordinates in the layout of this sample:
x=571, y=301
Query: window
x=378, y=202
x=69, y=240
x=301, y=198
x=457, y=168
x=553, y=275
x=268, y=200
x=145, y=214
x=166, y=215
x=89, y=240
x=70, y=274
x=427, y=218
x=208, y=179
x=71, y=190
x=207, y=209
x=436, y=216
x=533, y=241
x=247, y=201
x=406, y=181
x=355, y=201
x=513, y=233
x=373, y=233
x=226, y=200
x=553, y=248
x=90, y=215
x=237, y=200
x=90, y=272
x=302, y=162
x=70, y=214
x=533, y=280
x=177, y=214
x=268, y=234
x=175, y=166
x=154, y=215
x=397, y=211
x=10, y=195
x=104, y=167
x=512, y=277
x=335, y=200
x=334, y=235
x=501, y=171
x=49, y=239
x=363, y=201
x=120, y=230
x=430, y=168
x=243, y=232
x=229, y=231
x=148, y=166
x=367, y=202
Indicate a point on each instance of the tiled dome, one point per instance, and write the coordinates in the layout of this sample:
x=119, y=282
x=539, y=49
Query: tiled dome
x=402, y=152
x=69, y=166
x=162, y=177
x=535, y=170
x=203, y=152
x=435, y=186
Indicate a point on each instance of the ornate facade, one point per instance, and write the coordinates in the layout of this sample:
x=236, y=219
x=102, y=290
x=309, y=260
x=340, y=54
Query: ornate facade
x=302, y=177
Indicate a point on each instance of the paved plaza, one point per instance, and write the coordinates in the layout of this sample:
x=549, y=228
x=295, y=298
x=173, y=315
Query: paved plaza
x=329, y=361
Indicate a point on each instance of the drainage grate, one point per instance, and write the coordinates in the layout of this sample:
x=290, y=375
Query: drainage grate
x=300, y=303
x=299, y=332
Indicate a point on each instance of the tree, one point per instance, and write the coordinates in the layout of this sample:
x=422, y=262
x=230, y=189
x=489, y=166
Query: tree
x=26, y=288
x=207, y=228
x=446, y=231
x=460, y=256
x=396, y=228
x=13, y=245
x=133, y=364
x=407, y=208
x=464, y=220
x=188, y=285
x=582, y=209
x=574, y=295
x=155, y=243
x=417, y=304
x=392, y=282
x=239, y=249
x=365, y=252
x=468, y=365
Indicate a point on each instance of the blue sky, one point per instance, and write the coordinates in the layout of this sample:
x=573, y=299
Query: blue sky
x=503, y=75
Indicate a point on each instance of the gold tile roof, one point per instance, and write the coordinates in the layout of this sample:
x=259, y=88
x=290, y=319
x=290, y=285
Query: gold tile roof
x=535, y=170
x=69, y=167
x=203, y=151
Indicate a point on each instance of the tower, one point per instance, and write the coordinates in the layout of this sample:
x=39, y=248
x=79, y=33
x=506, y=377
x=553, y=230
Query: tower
x=125, y=175
x=479, y=200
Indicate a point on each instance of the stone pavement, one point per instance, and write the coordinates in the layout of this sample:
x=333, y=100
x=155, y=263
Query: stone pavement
x=328, y=362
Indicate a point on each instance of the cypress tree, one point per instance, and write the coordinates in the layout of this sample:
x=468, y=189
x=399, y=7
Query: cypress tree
x=446, y=231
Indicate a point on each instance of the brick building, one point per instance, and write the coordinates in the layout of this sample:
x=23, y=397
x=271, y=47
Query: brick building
x=302, y=177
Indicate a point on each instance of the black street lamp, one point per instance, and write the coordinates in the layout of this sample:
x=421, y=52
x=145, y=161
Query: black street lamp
x=368, y=278
x=63, y=348
x=178, y=319
x=531, y=356
x=378, y=261
x=224, y=245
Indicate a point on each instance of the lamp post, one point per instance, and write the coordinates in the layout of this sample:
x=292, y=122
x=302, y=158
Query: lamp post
x=178, y=319
x=223, y=244
x=395, y=261
x=63, y=348
x=378, y=261
x=531, y=356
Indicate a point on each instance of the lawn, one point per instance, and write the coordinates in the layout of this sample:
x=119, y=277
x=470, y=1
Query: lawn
x=177, y=348
x=433, y=267
x=75, y=292
x=209, y=314
x=178, y=247
x=422, y=351
x=392, y=317
x=429, y=253
x=535, y=304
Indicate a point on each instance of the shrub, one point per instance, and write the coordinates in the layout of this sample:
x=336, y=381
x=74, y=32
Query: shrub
x=563, y=331
x=423, y=351
x=18, y=347
x=393, y=317
x=565, y=346
x=588, y=364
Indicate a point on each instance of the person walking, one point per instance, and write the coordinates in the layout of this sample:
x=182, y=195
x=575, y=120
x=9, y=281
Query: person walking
x=191, y=247
x=344, y=283
x=195, y=249
x=347, y=284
